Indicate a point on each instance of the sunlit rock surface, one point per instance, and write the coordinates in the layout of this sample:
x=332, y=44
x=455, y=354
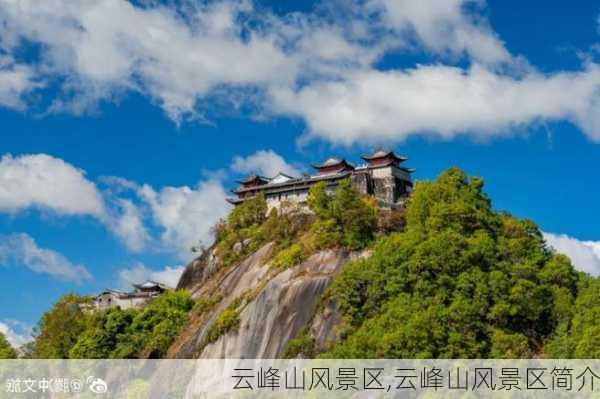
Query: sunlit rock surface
x=277, y=304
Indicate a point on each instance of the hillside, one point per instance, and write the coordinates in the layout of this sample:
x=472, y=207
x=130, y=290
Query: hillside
x=447, y=277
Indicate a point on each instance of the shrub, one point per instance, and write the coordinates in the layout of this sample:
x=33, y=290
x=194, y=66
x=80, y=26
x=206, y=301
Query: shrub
x=102, y=334
x=343, y=218
x=228, y=320
x=6, y=351
x=251, y=212
x=204, y=304
x=303, y=345
x=243, y=232
x=390, y=221
x=132, y=333
x=290, y=256
x=509, y=345
x=60, y=327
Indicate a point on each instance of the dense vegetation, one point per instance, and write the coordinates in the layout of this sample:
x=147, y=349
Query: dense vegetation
x=6, y=350
x=341, y=218
x=464, y=281
x=69, y=331
x=448, y=277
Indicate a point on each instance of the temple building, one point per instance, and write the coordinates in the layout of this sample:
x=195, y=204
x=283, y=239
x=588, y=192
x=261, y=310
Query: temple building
x=383, y=176
x=137, y=298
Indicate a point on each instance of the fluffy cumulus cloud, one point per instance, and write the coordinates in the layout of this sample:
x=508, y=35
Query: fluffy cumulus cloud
x=22, y=250
x=181, y=217
x=48, y=183
x=585, y=255
x=113, y=45
x=139, y=272
x=320, y=67
x=444, y=26
x=186, y=215
x=129, y=225
x=441, y=100
x=265, y=162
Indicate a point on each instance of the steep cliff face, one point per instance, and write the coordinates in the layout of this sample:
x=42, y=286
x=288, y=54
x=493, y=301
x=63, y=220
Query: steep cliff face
x=273, y=305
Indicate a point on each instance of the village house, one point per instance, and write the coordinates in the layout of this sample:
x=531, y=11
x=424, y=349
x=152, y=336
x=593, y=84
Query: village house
x=137, y=298
x=382, y=175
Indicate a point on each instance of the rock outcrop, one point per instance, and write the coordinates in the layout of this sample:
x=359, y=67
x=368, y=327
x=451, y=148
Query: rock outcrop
x=274, y=304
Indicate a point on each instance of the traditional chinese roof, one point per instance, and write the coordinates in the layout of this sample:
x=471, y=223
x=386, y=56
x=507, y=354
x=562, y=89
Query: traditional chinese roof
x=380, y=154
x=150, y=285
x=253, y=178
x=281, y=178
x=111, y=291
x=332, y=162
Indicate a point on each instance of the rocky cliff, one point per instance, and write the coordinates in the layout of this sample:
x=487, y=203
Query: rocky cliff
x=273, y=305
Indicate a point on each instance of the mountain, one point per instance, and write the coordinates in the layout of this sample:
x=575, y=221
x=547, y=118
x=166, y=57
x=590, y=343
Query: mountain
x=450, y=277
x=447, y=276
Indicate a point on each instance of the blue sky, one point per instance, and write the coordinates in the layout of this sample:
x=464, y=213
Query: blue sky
x=123, y=125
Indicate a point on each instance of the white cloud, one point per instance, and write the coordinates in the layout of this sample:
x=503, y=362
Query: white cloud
x=48, y=183
x=17, y=333
x=186, y=215
x=183, y=214
x=51, y=184
x=314, y=66
x=374, y=106
x=140, y=273
x=443, y=26
x=20, y=249
x=264, y=162
x=112, y=44
x=129, y=225
x=585, y=255
x=15, y=81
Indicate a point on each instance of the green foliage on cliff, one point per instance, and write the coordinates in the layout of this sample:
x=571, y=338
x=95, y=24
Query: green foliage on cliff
x=448, y=277
x=464, y=281
x=59, y=328
x=6, y=350
x=290, y=256
x=242, y=233
x=206, y=304
x=66, y=331
x=154, y=327
x=303, y=345
x=226, y=321
x=578, y=331
x=344, y=217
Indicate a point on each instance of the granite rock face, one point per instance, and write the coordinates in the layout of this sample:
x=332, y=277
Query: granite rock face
x=199, y=270
x=274, y=305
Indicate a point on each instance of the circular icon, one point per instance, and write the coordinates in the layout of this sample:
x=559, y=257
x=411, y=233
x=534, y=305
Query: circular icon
x=76, y=386
x=97, y=385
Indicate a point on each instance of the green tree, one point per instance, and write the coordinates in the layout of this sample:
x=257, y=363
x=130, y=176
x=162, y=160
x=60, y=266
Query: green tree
x=462, y=281
x=102, y=334
x=154, y=328
x=577, y=335
x=319, y=200
x=6, y=350
x=60, y=327
x=243, y=232
x=251, y=212
x=343, y=218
